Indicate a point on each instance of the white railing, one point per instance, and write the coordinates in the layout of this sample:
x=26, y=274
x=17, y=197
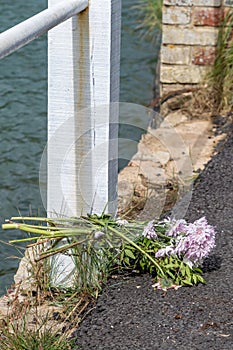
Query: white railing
x=21, y=34
x=83, y=74
x=83, y=86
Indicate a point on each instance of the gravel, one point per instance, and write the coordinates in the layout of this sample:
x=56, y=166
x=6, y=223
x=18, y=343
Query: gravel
x=130, y=315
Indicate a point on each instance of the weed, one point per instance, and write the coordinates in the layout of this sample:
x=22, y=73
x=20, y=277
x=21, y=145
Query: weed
x=148, y=14
x=221, y=76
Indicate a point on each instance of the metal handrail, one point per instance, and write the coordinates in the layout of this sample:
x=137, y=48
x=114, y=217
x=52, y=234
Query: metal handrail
x=25, y=32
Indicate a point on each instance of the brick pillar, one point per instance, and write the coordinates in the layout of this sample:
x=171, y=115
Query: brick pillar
x=190, y=29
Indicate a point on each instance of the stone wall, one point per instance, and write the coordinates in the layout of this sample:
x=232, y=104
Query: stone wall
x=190, y=29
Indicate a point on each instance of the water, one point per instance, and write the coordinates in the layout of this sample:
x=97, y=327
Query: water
x=23, y=108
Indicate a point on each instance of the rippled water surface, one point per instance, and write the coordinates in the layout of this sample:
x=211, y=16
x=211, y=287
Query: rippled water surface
x=23, y=104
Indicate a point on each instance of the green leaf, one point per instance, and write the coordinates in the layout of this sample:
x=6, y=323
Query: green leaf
x=171, y=260
x=182, y=269
x=197, y=269
x=130, y=247
x=126, y=260
x=195, y=280
x=200, y=278
x=187, y=270
x=130, y=254
x=186, y=281
x=169, y=266
x=151, y=269
x=142, y=264
x=122, y=256
x=183, y=273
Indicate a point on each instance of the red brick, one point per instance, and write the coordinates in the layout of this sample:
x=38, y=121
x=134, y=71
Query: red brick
x=203, y=56
x=208, y=16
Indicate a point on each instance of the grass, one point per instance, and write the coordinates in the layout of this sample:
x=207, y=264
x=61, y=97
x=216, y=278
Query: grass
x=28, y=327
x=220, y=78
x=148, y=14
x=214, y=94
x=22, y=338
x=41, y=316
x=43, y=319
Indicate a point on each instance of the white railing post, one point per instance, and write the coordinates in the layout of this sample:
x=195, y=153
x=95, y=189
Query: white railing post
x=83, y=81
x=83, y=94
x=83, y=84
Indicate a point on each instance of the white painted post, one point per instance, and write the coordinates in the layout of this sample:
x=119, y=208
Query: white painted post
x=83, y=81
x=83, y=84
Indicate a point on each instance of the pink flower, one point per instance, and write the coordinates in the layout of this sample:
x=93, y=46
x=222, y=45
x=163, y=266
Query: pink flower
x=169, y=250
x=98, y=234
x=121, y=222
x=177, y=227
x=149, y=231
x=197, y=243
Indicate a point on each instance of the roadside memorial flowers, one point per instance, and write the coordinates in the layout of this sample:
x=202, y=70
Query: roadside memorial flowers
x=172, y=251
x=179, y=248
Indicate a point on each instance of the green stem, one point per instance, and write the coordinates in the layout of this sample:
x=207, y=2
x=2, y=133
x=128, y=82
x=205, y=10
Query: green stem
x=132, y=243
x=137, y=247
x=66, y=247
x=30, y=218
x=26, y=239
x=162, y=235
x=45, y=231
x=23, y=227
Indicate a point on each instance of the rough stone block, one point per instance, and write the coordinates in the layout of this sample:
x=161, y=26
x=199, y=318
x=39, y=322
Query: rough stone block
x=184, y=36
x=168, y=88
x=208, y=16
x=125, y=194
x=178, y=2
x=228, y=3
x=203, y=55
x=182, y=74
x=172, y=54
x=176, y=118
x=153, y=174
x=160, y=157
x=176, y=15
x=210, y=3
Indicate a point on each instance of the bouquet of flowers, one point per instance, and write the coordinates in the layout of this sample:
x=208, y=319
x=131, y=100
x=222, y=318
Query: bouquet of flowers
x=179, y=249
x=171, y=250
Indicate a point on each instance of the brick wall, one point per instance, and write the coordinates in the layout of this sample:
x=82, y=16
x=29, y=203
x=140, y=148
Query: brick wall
x=190, y=29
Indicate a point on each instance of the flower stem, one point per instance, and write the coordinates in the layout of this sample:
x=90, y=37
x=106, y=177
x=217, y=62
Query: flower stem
x=130, y=242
